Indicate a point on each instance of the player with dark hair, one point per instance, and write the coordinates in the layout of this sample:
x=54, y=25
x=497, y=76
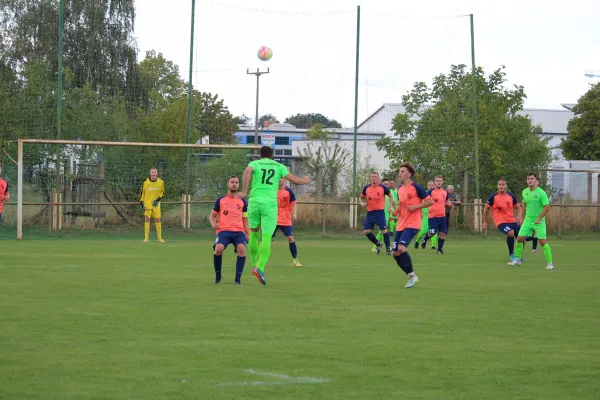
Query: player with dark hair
x=535, y=207
x=388, y=217
x=286, y=202
x=375, y=194
x=412, y=198
x=503, y=204
x=153, y=190
x=230, y=218
x=4, y=194
x=265, y=175
x=437, y=214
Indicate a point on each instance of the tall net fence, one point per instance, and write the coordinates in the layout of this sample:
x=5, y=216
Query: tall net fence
x=121, y=82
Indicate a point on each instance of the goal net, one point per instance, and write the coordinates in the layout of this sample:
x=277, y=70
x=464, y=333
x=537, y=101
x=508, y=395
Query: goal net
x=97, y=185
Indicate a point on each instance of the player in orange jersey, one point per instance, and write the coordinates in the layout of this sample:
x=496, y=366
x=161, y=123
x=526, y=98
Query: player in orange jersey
x=4, y=195
x=286, y=213
x=412, y=198
x=503, y=205
x=230, y=218
x=437, y=214
x=375, y=194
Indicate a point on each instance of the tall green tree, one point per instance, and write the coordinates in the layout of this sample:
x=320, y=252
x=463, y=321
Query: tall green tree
x=306, y=121
x=436, y=132
x=583, y=142
x=160, y=81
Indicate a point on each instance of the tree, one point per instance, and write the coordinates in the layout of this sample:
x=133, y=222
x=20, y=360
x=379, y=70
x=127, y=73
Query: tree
x=160, y=81
x=267, y=118
x=305, y=121
x=583, y=142
x=242, y=119
x=325, y=160
x=317, y=132
x=436, y=132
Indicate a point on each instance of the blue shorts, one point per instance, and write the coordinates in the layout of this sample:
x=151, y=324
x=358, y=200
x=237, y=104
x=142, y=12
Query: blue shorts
x=404, y=237
x=373, y=218
x=437, y=225
x=0, y=217
x=287, y=230
x=505, y=228
x=226, y=237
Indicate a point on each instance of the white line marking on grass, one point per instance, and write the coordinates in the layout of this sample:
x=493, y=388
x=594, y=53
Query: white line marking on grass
x=37, y=266
x=281, y=376
x=288, y=380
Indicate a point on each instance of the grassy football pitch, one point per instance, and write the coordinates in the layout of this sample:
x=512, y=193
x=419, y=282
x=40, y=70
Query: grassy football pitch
x=118, y=319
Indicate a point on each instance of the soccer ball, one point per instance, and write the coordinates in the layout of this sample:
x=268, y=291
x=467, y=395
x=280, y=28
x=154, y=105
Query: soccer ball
x=264, y=53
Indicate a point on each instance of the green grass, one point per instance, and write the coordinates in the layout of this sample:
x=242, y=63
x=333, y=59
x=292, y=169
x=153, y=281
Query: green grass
x=116, y=319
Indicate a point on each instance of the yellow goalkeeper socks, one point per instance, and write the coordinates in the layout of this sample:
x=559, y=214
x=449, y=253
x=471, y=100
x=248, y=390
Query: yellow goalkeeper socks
x=146, y=230
x=159, y=230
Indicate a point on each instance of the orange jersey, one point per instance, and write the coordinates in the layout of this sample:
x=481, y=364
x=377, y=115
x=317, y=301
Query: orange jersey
x=438, y=209
x=375, y=196
x=3, y=193
x=231, y=211
x=285, y=200
x=410, y=195
x=502, y=206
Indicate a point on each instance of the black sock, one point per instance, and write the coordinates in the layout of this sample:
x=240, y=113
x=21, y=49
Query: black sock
x=405, y=262
x=218, y=261
x=426, y=237
x=239, y=267
x=386, y=240
x=372, y=238
x=440, y=244
x=535, y=242
x=293, y=250
x=510, y=242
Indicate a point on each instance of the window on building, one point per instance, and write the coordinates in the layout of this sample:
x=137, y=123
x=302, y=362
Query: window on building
x=278, y=152
x=250, y=139
x=287, y=152
x=282, y=140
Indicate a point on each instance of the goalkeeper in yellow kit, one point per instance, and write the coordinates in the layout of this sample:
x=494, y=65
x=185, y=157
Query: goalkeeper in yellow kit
x=153, y=189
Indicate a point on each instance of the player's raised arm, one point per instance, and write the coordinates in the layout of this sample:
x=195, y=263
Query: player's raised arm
x=296, y=179
x=245, y=182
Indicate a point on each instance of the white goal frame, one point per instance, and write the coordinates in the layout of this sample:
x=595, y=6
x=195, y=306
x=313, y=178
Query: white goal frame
x=22, y=142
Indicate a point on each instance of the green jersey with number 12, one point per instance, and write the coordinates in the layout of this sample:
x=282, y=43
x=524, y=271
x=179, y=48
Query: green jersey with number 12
x=265, y=180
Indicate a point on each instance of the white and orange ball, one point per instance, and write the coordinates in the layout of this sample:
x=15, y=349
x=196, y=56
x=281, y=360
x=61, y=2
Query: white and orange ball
x=265, y=53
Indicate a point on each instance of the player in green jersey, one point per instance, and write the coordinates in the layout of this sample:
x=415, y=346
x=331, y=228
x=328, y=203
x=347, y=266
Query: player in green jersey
x=262, y=205
x=425, y=224
x=393, y=218
x=535, y=207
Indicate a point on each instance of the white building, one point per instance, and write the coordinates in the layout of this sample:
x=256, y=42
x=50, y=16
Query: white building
x=553, y=122
x=554, y=126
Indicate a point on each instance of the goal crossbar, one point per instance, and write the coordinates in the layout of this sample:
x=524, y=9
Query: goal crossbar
x=21, y=142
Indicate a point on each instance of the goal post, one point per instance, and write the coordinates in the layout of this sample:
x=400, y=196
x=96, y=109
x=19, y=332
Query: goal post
x=73, y=149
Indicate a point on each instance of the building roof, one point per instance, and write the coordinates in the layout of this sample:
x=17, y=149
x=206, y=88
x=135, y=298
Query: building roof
x=289, y=128
x=553, y=121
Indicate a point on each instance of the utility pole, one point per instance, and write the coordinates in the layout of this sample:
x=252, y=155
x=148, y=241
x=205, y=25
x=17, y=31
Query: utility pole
x=258, y=73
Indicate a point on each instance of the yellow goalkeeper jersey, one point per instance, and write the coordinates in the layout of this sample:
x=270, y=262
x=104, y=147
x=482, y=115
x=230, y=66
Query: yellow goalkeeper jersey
x=152, y=190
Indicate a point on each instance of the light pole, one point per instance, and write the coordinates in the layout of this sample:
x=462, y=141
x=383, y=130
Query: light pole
x=258, y=73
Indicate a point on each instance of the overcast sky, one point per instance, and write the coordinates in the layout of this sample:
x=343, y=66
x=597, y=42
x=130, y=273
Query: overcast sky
x=547, y=46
